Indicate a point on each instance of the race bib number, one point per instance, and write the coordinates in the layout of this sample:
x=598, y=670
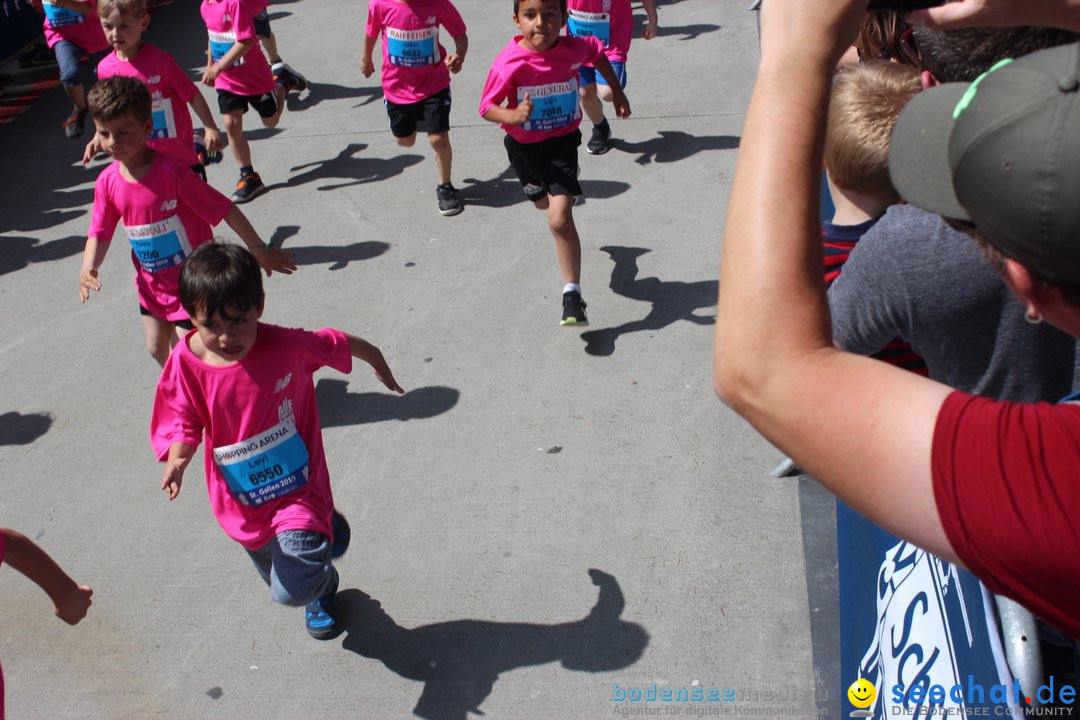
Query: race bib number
x=61, y=17
x=164, y=121
x=588, y=24
x=220, y=42
x=265, y=467
x=160, y=245
x=554, y=105
x=412, y=48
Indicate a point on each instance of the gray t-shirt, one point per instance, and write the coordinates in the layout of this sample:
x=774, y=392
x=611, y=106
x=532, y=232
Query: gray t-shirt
x=913, y=276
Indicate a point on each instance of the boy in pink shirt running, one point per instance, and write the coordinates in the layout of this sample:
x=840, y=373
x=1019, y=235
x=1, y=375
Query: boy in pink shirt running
x=536, y=75
x=242, y=79
x=73, y=32
x=612, y=21
x=171, y=90
x=167, y=212
x=247, y=387
x=416, y=77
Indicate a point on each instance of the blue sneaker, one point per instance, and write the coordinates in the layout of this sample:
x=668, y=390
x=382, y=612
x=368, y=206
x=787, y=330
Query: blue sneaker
x=342, y=535
x=320, y=616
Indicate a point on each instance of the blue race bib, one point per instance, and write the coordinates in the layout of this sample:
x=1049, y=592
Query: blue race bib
x=265, y=467
x=412, y=48
x=61, y=17
x=554, y=105
x=587, y=24
x=160, y=245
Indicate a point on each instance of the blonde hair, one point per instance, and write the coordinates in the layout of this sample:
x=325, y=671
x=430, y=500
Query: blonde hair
x=866, y=99
x=135, y=9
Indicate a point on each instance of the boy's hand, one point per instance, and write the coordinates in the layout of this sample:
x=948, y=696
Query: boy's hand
x=619, y=101
x=210, y=74
x=73, y=606
x=650, y=30
x=91, y=150
x=88, y=280
x=212, y=138
x=386, y=377
x=454, y=63
x=367, y=67
x=522, y=111
x=174, y=477
x=275, y=260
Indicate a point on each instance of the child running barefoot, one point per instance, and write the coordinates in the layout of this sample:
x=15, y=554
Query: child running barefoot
x=536, y=75
x=416, y=77
x=171, y=90
x=247, y=386
x=242, y=78
x=612, y=21
x=73, y=32
x=70, y=600
x=166, y=209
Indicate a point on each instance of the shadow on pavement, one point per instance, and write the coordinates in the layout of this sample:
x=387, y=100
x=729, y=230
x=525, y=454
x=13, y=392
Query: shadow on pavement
x=672, y=300
x=317, y=92
x=19, y=429
x=504, y=190
x=674, y=146
x=459, y=661
x=17, y=253
x=340, y=408
x=346, y=166
x=689, y=32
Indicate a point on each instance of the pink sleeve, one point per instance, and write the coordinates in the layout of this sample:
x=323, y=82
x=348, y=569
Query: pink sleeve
x=450, y=19
x=244, y=22
x=595, y=49
x=374, y=21
x=203, y=199
x=104, y=216
x=496, y=90
x=173, y=419
x=328, y=348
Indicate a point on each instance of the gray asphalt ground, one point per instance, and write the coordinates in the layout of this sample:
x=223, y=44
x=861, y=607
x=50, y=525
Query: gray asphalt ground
x=523, y=456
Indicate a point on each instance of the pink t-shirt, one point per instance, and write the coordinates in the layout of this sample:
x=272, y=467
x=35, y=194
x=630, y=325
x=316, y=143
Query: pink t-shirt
x=413, y=67
x=612, y=21
x=550, y=78
x=229, y=21
x=166, y=215
x=170, y=90
x=82, y=30
x=265, y=466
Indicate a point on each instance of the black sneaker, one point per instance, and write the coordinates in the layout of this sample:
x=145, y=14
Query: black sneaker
x=600, y=141
x=291, y=80
x=573, y=309
x=342, y=535
x=320, y=618
x=76, y=122
x=449, y=202
x=248, y=187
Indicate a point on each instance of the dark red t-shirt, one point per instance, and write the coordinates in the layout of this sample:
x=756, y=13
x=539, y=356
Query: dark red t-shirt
x=1007, y=485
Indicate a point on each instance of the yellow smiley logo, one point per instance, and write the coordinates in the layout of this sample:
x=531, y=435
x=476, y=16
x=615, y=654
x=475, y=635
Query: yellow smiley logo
x=862, y=693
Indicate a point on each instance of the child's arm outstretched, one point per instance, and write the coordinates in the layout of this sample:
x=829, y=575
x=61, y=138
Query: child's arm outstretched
x=270, y=258
x=93, y=256
x=70, y=600
x=367, y=64
x=180, y=455
x=618, y=97
x=363, y=350
x=653, y=22
x=456, y=59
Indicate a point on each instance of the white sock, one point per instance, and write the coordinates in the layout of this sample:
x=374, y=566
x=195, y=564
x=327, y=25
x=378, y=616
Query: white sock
x=571, y=287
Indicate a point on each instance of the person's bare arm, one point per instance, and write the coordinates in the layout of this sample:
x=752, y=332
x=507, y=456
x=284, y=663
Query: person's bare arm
x=1000, y=13
x=862, y=428
x=70, y=600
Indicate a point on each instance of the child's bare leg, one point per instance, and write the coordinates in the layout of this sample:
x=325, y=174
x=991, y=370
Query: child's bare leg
x=604, y=93
x=76, y=95
x=234, y=128
x=406, y=142
x=590, y=103
x=160, y=338
x=444, y=155
x=560, y=215
x=279, y=93
x=269, y=44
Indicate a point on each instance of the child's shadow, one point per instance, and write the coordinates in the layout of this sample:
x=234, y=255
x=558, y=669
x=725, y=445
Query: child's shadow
x=346, y=166
x=674, y=145
x=672, y=300
x=19, y=429
x=318, y=92
x=689, y=32
x=504, y=190
x=459, y=661
x=20, y=252
x=339, y=408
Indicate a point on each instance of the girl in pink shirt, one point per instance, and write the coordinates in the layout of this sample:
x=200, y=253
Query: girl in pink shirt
x=72, y=31
x=166, y=209
x=536, y=75
x=247, y=388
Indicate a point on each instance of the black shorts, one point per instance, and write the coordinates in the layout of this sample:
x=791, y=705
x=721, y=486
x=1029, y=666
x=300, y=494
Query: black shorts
x=265, y=104
x=185, y=324
x=262, y=24
x=432, y=114
x=549, y=167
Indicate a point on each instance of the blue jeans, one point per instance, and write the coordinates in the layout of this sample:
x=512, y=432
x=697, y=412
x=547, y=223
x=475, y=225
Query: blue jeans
x=296, y=565
x=69, y=57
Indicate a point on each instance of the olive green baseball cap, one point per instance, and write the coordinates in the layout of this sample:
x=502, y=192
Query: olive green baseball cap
x=1002, y=153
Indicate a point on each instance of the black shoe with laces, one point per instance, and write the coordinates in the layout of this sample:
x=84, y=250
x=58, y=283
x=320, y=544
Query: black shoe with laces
x=76, y=122
x=600, y=142
x=248, y=187
x=573, y=310
x=449, y=202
